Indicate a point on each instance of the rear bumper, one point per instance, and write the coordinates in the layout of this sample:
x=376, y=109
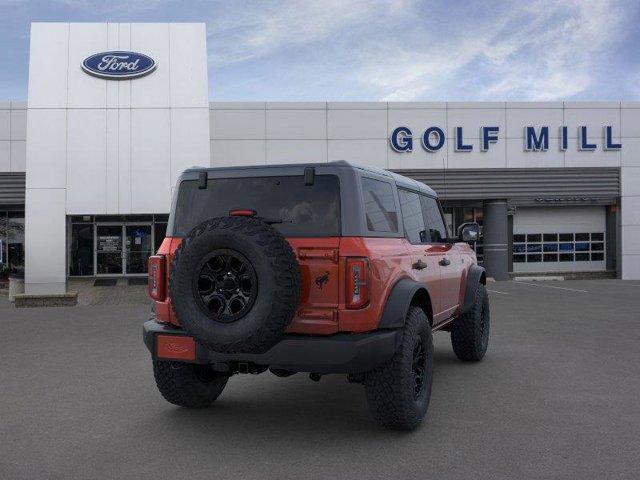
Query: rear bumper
x=339, y=353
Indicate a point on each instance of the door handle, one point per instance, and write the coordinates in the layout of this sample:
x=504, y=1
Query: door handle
x=419, y=265
x=445, y=262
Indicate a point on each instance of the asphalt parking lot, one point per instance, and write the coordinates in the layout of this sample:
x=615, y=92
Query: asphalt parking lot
x=558, y=396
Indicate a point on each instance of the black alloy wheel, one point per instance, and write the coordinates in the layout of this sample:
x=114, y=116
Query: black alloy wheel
x=225, y=285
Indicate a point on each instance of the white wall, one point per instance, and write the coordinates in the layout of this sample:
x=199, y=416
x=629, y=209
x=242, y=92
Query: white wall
x=13, y=136
x=267, y=133
x=98, y=146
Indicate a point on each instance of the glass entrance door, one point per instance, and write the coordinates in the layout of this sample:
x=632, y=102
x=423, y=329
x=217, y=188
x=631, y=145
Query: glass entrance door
x=138, y=248
x=109, y=250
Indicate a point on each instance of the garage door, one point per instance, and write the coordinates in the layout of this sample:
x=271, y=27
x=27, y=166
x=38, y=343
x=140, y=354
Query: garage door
x=559, y=239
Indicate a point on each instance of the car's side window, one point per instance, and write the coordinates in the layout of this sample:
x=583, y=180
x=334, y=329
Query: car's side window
x=379, y=206
x=412, y=217
x=437, y=232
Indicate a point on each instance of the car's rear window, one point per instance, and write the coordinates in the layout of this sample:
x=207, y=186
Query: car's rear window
x=306, y=210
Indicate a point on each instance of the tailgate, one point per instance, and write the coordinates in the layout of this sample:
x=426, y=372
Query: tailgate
x=321, y=279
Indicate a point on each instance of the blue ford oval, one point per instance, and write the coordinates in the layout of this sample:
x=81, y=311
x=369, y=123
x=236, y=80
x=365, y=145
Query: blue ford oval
x=118, y=65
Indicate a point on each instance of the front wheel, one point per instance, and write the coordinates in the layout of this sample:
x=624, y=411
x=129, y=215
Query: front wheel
x=188, y=385
x=470, y=332
x=399, y=391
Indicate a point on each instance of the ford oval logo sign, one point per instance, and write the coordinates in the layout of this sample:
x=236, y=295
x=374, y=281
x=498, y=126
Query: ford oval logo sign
x=118, y=65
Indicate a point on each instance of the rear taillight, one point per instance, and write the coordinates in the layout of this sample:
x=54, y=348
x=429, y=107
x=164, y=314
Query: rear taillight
x=156, y=286
x=357, y=287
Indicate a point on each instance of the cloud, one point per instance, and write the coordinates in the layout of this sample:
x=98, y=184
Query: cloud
x=546, y=51
x=409, y=50
x=258, y=30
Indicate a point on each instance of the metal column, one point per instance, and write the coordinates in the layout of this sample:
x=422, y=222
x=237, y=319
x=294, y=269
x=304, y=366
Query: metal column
x=496, y=239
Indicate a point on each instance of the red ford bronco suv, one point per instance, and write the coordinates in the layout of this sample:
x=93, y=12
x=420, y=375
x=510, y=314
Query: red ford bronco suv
x=318, y=268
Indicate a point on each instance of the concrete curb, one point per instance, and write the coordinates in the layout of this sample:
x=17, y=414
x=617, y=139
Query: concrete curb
x=68, y=299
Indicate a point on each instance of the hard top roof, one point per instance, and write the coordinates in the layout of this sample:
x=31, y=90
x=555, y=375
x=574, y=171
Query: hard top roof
x=400, y=180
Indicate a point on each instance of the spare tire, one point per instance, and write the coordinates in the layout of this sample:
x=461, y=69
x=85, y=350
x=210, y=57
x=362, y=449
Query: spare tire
x=235, y=284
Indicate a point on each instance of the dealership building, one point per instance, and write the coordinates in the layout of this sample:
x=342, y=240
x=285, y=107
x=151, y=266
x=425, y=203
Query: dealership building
x=116, y=111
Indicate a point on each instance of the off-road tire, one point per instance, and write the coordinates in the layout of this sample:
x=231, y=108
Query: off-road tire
x=278, y=284
x=390, y=387
x=188, y=385
x=470, y=332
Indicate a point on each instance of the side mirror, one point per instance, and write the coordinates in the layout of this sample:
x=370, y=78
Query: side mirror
x=469, y=232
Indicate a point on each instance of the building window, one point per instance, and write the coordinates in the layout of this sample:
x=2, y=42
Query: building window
x=558, y=247
x=11, y=242
x=81, y=253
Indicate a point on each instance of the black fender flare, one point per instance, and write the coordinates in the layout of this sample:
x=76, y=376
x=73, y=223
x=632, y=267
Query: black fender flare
x=476, y=276
x=399, y=301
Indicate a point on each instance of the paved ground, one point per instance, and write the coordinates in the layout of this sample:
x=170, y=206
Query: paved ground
x=557, y=396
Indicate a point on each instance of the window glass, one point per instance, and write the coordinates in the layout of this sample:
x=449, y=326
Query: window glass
x=412, y=216
x=305, y=210
x=436, y=230
x=15, y=241
x=563, y=247
x=379, y=206
x=159, y=231
x=81, y=254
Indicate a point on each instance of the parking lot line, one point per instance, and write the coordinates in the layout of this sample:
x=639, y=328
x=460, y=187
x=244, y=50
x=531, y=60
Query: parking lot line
x=496, y=291
x=552, y=286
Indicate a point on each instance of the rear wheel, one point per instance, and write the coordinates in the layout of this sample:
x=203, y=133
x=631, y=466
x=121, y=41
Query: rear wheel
x=399, y=391
x=470, y=332
x=188, y=385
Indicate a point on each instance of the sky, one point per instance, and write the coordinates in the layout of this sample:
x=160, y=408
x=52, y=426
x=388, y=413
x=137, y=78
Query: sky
x=377, y=50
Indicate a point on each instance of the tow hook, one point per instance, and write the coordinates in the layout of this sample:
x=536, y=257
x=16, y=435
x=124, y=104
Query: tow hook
x=315, y=377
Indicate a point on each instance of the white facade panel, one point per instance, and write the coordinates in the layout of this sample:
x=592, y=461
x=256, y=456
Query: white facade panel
x=296, y=124
x=518, y=118
x=188, y=54
x=5, y=156
x=227, y=153
x=238, y=124
x=517, y=157
x=150, y=160
x=111, y=160
x=630, y=154
x=471, y=119
x=124, y=86
x=597, y=158
x=417, y=120
x=47, y=148
x=5, y=124
x=366, y=152
x=630, y=121
x=630, y=211
x=416, y=159
x=48, y=62
x=630, y=267
x=86, y=161
x=18, y=124
x=124, y=161
x=592, y=118
x=153, y=90
x=189, y=140
x=296, y=151
x=494, y=157
x=356, y=124
x=45, y=241
x=630, y=182
x=85, y=91
x=18, y=156
x=113, y=43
